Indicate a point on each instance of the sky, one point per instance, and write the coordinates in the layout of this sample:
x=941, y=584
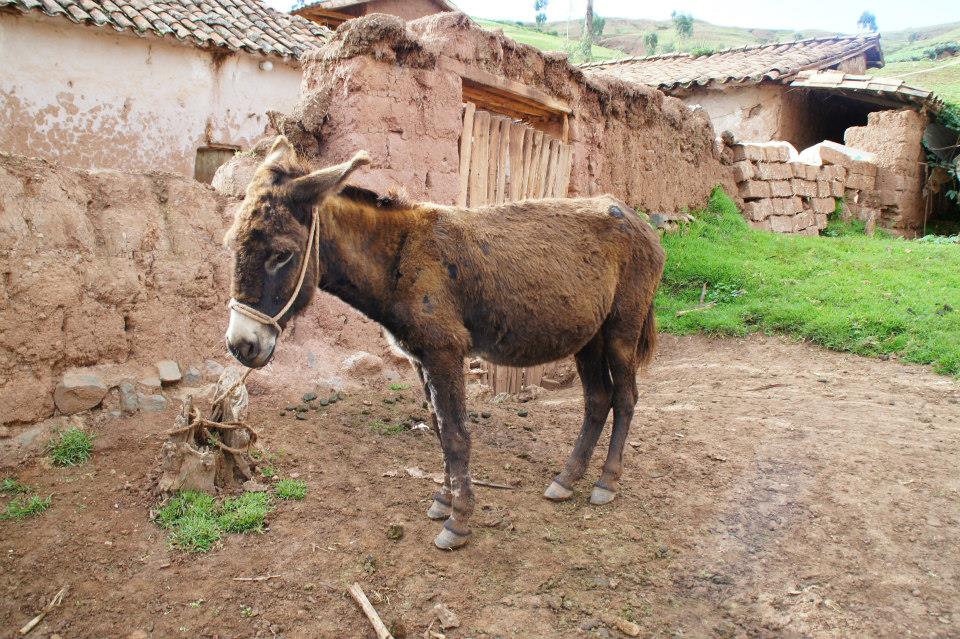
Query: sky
x=829, y=15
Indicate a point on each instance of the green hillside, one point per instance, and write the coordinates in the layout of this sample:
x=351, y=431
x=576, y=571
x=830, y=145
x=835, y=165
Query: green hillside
x=547, y=41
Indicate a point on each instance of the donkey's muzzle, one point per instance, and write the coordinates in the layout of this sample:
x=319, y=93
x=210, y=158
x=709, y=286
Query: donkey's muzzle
x=249, y=341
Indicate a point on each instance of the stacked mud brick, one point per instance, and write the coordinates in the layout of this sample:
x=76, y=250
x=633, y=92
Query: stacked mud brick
x=787, y=196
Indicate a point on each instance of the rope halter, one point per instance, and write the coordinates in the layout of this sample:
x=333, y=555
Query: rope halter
x=313, y=247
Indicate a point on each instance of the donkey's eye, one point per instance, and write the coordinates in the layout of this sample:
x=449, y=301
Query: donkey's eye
x=278, y=260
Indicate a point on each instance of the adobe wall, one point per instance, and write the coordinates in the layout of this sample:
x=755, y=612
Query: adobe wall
x=895, y=138
x=111, y=272
x=378, y=84
x=94, y=98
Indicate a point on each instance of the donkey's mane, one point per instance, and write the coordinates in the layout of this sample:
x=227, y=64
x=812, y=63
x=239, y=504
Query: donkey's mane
x=394, y=200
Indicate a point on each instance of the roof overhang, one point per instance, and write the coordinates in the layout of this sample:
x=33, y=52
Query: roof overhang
x=888, y=92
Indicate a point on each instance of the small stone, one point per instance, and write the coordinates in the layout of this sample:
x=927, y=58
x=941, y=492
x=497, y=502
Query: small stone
x=213, y=370
x=301, y=417
x=324, y=402
x=387, y=400
x=151, y=382
x=152, y=403
x=309, y=397
x=395, y=532
x=302, y=408
x=485, y=415
x=192, y=376
x=283, y=413
x=522, y=413
x=589, y=624
x=79, y=391
x=129, y=404
x=168, y=371
x=446, y=617
x=626, y=627
x=332, y=399
x=291, y=407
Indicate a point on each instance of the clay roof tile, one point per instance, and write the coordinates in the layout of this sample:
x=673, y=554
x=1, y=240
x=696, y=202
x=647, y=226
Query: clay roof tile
x=232, y=24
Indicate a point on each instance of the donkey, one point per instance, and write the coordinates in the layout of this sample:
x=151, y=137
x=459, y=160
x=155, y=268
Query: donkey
x=518, y=284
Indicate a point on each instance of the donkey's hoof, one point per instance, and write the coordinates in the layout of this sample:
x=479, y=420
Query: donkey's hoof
x=439, y=510
x=449, y=540
x=601, y=496
x=556, y=492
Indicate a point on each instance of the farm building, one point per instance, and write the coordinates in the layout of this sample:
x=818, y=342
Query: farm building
x=333, y=13
x=806, y=92
x=136, y=86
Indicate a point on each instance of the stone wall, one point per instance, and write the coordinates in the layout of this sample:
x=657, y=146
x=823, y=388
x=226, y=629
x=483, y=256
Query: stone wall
x=895, y=138
x=380, y=84
x=785, y=195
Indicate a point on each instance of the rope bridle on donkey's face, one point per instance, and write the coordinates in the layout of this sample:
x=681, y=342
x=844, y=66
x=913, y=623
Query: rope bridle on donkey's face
x=313, y=247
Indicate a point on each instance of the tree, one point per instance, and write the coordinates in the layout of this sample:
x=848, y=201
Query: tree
x=599, y=24
x=683, y=23
x=539, y=6
x=867, y=21
x=586, y=40
x=650, y=42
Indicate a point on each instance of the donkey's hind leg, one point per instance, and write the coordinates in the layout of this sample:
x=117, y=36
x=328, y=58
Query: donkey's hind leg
x=442, y=504
x=620, y=346
x=597, y=391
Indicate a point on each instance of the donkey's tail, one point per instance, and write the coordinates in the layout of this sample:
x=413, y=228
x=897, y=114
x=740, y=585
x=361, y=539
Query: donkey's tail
x=647, y=343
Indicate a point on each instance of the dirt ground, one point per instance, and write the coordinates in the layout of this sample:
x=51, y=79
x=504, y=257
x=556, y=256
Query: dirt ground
x=772, y=489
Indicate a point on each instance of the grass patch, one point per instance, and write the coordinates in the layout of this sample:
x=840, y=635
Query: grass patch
x=398, y=387
x=387, y=428
x=73, y=448
x=11, y=486
x=866, y=295
x=23, y=507
x=196, y=521
x=291, y=489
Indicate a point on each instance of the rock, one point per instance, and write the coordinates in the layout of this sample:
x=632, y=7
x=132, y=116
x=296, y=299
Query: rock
x=150, y=381
x=152, y=403
x=213, y=370
x=309, y=397
x=626, y=627
x=168, y=371
x=446, y=617
x=192, y=376
x=522, y=413
x=79, y=391
x=363, y=365
x=129, y=403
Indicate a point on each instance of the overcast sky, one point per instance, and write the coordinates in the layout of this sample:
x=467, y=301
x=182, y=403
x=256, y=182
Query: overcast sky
x=830, y=15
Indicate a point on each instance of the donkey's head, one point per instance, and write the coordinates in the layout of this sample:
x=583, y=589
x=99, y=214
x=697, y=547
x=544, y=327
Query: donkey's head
x=274, y=274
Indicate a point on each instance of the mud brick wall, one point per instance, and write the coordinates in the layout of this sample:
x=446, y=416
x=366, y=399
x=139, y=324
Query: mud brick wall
x=895, y=138
x=787, y=196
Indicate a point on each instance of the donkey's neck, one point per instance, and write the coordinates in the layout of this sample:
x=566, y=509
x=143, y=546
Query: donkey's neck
x=359, y=250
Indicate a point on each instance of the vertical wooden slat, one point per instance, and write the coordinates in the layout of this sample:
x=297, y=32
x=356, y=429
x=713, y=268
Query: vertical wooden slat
x=493, y=156
x=479, y=159
x=528, y=137
x=558, y=190
x=516, y=161
x=566, y=129
x=542, y=170
x=567, y=166
x=466, y=147
x=550, y=175
x=535, y=164
x=504, y=154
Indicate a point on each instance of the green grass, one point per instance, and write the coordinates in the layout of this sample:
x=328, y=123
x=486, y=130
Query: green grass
x=197, y=522
x=22, y=507
x=944, y=82
x=291, y=489
x=13, y=486
x=867, y=295
x=73, y=448
x=398, y=387
x=546, y=41
x=387, y=428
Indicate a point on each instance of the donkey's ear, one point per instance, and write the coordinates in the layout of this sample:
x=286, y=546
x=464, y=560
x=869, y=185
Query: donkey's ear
x=281, y=155
x=320, y=184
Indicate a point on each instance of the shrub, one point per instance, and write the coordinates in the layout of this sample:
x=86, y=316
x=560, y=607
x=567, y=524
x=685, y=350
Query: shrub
x=291, y=489
x=22, y=507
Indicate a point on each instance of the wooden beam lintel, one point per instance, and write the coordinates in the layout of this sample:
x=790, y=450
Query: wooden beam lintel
x=520, y=92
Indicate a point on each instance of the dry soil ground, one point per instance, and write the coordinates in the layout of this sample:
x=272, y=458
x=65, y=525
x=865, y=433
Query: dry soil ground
x=772, y=489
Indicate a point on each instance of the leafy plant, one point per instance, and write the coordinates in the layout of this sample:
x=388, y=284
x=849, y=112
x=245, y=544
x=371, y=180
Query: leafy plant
x=73, y=448
x=196, y=522
x=195, y=533
x=244, y=513
x=291, y=489
x=22, y=507
x=386, y=428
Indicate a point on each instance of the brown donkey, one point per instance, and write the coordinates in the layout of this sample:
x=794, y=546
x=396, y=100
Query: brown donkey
x=518, y=284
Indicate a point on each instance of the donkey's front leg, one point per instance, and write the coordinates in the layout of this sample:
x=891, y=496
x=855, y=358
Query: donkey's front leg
x=444, y=374
x=442, y=500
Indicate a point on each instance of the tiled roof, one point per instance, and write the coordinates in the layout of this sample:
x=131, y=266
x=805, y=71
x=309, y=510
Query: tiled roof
x=884, y=89
x=746, y=65
x=237, y=25
x=341, y=4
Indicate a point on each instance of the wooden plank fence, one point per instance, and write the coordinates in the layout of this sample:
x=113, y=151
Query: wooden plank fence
x=504, y=160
